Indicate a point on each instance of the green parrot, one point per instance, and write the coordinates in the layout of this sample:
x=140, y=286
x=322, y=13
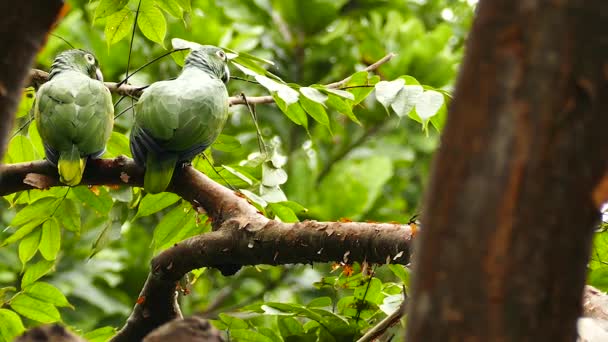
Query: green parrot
x=176, y=120
x=74, y=114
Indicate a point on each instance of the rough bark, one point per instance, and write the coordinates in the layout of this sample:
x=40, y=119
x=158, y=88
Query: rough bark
x=510, y=210
x=23, y=26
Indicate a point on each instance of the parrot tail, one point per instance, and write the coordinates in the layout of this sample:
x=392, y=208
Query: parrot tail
x=159, y=172
x=71, y=166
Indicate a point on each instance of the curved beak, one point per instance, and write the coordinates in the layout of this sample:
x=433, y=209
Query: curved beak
x=98, y=74
x=226, y=77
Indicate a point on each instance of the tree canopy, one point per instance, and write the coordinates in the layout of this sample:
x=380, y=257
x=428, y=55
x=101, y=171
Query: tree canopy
x=336, y=110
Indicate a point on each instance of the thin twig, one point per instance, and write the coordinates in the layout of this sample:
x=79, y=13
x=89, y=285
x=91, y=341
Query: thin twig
x=384, y=324
x=37, y=77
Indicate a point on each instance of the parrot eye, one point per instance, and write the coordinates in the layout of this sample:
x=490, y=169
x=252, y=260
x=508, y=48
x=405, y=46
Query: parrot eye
x=90, y=59
x=221, y=54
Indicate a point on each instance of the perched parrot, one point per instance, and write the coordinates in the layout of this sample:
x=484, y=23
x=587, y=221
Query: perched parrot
x=176, y=120
x=74, y=114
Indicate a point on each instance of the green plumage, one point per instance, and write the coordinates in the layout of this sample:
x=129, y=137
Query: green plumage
x=178, y=119
x=74, y=114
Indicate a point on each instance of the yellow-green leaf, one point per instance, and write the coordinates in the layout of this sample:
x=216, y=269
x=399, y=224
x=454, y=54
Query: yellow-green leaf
x=152, y=23
x=50, y=242
x=47, y=293
x=118, y=26
x=36, y=271
x=108, y=7
x=11, y=326
x=28, y=246
x=35, y=309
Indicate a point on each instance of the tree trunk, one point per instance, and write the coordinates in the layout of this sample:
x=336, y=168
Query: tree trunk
x=23, y=26
x=510, y=211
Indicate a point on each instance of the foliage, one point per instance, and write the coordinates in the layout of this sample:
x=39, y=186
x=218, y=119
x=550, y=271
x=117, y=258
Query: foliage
x=80, y=255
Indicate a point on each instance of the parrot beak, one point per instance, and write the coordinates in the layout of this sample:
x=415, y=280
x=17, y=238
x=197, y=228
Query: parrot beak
x=226, y=77
x=98, y=74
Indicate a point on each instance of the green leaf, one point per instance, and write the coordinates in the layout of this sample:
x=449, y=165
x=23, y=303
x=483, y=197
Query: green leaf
x=68, y=215
x=342, y=107
x=47, y=293
x=166, y=232
x=11, y=326
x=35, y=309
x=294, y=111
x=35, y=139
x=102, y=203
x=108, y=7
x=50, y=242
x=231, y=322
x=320, y=302
x=172, y=7
x=28, y=246
x=36, y=271
x=38, y=211
x=185, y=4
x=359, y=79
x=316, y=110
x=100, y=335
x=401, y=272
x=152, y=23
x=226, y=143
x=248, y=335
x=371, y=292
x=153, y=203
x=110, y=231
x=27, y=100
x=314, y=95
x=360, y=182
x=118, y=26
x=117, y=145
x=20, y=149
x=283, y=212
x=289, y=326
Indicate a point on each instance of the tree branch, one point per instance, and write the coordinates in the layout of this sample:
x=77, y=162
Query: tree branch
x=23, y=26
x=241, y=235
x=39, y=77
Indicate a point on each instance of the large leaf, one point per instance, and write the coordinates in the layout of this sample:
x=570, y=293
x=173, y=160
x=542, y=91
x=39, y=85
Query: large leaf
x=11, y=326
x=108, y=7
x=100, y=201
x=28, y=246
x=36, y=271
x=118, y=26
x=153, y=203
x=50, y=241
x=151, y=22
x=359, y=181
x=47, y=293
x=35, y=309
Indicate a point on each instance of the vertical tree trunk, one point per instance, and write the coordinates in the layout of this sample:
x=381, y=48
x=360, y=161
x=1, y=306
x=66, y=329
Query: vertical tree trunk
x=509, y=213
x=23, y=26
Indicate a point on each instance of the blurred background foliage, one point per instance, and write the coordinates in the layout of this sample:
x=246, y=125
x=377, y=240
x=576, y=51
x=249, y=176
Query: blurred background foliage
x=375, y=170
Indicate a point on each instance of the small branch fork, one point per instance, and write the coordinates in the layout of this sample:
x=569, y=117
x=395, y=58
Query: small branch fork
x=241, y=235
x=39, y=77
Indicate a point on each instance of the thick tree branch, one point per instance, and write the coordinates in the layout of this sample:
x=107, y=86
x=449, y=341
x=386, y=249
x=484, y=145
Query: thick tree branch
x=23, y=26
x=38, y=77
x=241, y=235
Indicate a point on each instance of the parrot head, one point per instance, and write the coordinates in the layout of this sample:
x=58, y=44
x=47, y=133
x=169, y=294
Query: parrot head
x=77, y=60
x=211, y=59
